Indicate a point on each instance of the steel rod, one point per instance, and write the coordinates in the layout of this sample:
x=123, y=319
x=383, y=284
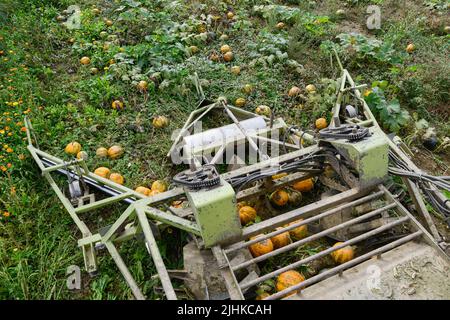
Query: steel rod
x=362, y=200
x=323, y=253
x=316, y=236
x=152, y=247
x=346, y=265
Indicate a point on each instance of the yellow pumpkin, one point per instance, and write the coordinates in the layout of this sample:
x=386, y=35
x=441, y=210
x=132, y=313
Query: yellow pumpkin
x=142, y=85
x=230, y=15
x=228, y=57
x=248, y=88
x=321, y=123
x=102, y=172
x=342, y=255
x=214, y=57
x=154, y=192
x=117, y=178
x=281, y=25
x=310, y=88
x=73, y=148
x=279, y=176
x=159, y=185
x=82, y=155
x=85, y=60
x=236, y=70
x=115, y=152
x=410, y=48
x=225, y=48
x=145, y=191
x=288, y=279
x=299, y=232
x=281, y=240
x=160, y=122
x=304, y=185
x=279, y=197
x=101, y=152
x=263, y=110
x=294, y=91
x=193, y=49
x=117, y=104
x=240, y=102
x=259, y=248
x=247, y=214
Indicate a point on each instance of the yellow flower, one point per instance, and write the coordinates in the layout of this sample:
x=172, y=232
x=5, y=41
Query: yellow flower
x=6, y=214
x=3, y=168
x=9, y=150
x=15, y=104
x=367, y=92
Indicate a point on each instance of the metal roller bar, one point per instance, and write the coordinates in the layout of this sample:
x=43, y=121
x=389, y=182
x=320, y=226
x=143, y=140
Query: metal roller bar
x=305, y=211
x=346, y=265
x=313, y=237
x=365, y=199
x=324, y=252
x=309, y=209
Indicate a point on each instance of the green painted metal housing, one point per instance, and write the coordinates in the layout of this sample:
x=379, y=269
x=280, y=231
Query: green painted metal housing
x=369, y=157
x=216, y=213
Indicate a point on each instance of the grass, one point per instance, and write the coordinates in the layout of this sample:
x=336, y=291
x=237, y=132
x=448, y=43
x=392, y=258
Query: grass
x=40, y=76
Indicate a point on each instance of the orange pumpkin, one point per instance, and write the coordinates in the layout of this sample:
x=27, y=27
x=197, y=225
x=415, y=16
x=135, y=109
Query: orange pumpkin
x=288, y=279
x=228, y=56
x=247, y=214
x=102, y=172
x=117, y=178
x=321, y=123
x=73, y=148
x=299, y=232
x=225, y=48
x=281, y=240
x=101, y=152
x=279, y=197
x=115, y=152
x=294, y=91
x=342, y=255
x=159, y=185
x=304, y=185
x=259, y=248
x=145, y=191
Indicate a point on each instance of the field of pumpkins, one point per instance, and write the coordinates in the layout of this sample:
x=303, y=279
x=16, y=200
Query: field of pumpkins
x=110, y=81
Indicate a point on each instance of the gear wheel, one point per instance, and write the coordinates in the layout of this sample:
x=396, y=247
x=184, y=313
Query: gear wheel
x=203, y=178
x=350, y=132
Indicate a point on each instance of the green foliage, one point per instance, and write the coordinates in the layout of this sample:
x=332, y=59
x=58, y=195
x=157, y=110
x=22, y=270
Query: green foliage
x=364, y=49
x=389, y=112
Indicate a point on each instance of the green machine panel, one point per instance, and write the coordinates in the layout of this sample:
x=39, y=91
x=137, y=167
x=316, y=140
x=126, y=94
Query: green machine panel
x=216, y=213
x=369, y=157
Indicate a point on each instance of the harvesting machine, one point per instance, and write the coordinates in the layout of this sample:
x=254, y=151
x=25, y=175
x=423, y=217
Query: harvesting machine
x=399, y=252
